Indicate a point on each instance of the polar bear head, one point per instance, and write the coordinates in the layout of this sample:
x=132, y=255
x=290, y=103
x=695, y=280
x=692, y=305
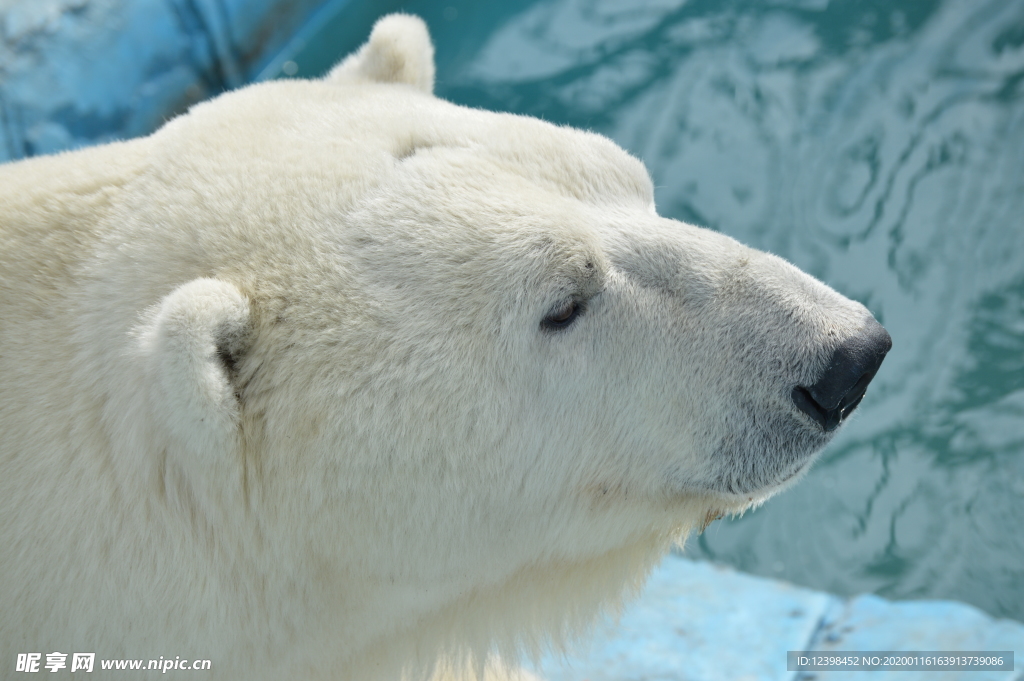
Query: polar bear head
x=440, y=365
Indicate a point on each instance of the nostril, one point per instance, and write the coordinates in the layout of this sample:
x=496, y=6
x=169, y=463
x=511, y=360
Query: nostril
x=842, y=385
x=829, y=419
x=806, y=404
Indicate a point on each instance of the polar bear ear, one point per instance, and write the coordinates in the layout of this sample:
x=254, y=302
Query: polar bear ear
x=191, y=343
x=398, y=51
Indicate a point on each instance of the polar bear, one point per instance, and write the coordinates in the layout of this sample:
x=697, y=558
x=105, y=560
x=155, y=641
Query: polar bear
x=334, y=379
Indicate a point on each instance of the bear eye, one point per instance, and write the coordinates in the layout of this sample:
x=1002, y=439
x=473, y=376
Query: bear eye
x=563, y=315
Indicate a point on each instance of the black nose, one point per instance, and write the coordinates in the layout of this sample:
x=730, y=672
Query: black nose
x=840, y=388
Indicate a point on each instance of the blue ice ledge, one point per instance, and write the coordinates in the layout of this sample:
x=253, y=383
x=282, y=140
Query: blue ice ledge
x=701, y=622
x=78, y=72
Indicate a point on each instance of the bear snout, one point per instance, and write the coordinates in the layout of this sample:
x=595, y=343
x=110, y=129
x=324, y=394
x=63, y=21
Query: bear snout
x=840, y=388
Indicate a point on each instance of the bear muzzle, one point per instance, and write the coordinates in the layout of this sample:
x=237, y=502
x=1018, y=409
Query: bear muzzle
x=838, y=391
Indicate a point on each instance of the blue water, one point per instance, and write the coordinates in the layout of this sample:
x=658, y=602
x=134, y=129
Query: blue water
x=878, y=145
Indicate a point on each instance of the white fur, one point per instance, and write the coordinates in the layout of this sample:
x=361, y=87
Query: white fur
x=276, y=391
x=398, y=51
x=181, y=342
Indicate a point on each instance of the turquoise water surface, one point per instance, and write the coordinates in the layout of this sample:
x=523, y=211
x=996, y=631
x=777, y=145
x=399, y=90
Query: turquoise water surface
x=879, y=145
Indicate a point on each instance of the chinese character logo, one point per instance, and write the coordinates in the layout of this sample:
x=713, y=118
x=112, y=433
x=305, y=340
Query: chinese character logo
x=28, y=662
x=82, y=661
